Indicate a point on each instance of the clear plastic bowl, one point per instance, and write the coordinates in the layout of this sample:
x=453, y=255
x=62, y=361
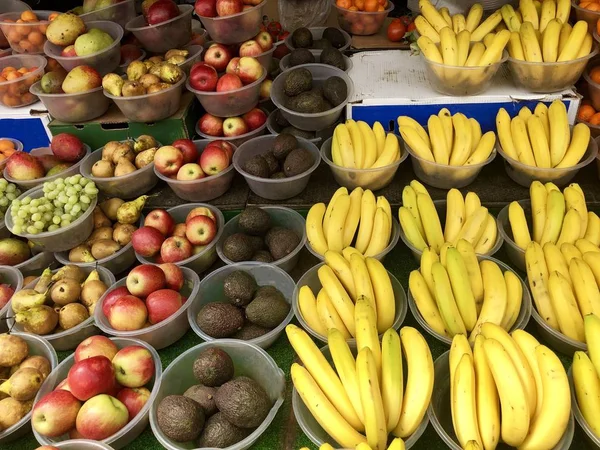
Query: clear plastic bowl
x=18, y=34
x=440, y=414
x=201, y=34
x=319, y=436
x=461, y=80
x=104, y=61
x=516, y=255
x=440, y=206
x=120, y=13
x=311, y=279
x=237, y=27
x=361, y=23
x=195, y=55
x=591, y=17
x=13, y=277
x=275, y=129
x=135, y=426
x=373, y=179
x=520, y=324
x=11, y=6
x=37, y=347
x=122, y=69
x=593, y=87
x=312, y=121
x=73, y=108
x=127, y=186
x=160, y=38
x=523, y=174
x=16, y=93
x=317, y=33
x=18, y=147
x=5, y=52
x=30, y=184
x=162, y=334
x=70, y=339
x=211, y=287
x=590, y=436
x=230, y=103
x=548, y=77
x=206, y=258
x=274, y=189
x=150, y=107
x=266, y=58
x=284, y=63
x=204, y=189
x=81, y=444
x=235, y=140
x=248, y=359
x=594, y=129
x=37, y=263
x=280, y=217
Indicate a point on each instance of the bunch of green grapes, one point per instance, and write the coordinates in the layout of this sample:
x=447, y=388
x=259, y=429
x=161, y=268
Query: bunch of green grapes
x=64, y=200
x=8, y=192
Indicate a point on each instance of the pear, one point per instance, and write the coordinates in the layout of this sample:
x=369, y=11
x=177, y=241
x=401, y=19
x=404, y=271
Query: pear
x=122, y=233
x=176, y=52
x=156, y=59
x=100, y=219
x=104, y=248
x=135, y=70
x=44, y=281
x=144, y=142
x=113, y=84
x=99, y=234
x=69, y=271
x=93, y=276
x=72, y=315
x=65, y=291
x=110, y=207
x=145, y=157
x=124, y=167
x=108, y=150
x=148, y=80
x=23, y=384
x=38, y=362
x=130, y=212
x=13, y=350
x=81, y=254
x=40, y=320
x=26, y=299
x=103, y=169
x=122, y=151
x=11, y=411
x=92, y=291
x=170, y=73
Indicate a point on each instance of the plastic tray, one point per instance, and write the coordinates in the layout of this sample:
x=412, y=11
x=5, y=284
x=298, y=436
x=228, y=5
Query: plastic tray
x=237, y=27
x=11, y=6
x=265, y=274
x=17, y=92
x=17, y=34
x=361, y=23
x=591, y=17
x=73, y=108
x=515, y=254
x=120, y=13
x=130, y=431
x=284, y=63
x=235, y=140
x=592, y=439
x=70, y=339
x=104, y=61
x=317, y=33
x=13, y=277
x=280, y=216
x=276, y=129
x=274, y=189
x=248, y=359
x=313, y=121
x=204, y=189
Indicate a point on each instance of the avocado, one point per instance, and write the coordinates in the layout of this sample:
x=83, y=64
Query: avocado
x=257, y=166
x=263, y=255
x=250, y=331
x=266, y=290
x=333, y=57
x=238, y=247
x=306, y=102
x=335, y=90
x=277, y=176
x=220, y=433
x=280, y=120
x=298, y=132
x=281, y=242
x=204, y=396
x=243, y=402
x=334, y=36
x=213, y=367
x=321, y=44
x=297, y=81
x=302, y=38
x=271, y=162
x=257, y=243
x=268, y=309
x=180, y=418
x=254, y=221
x=283, y=144
x=298, y=161
x=327, y=106
x=301, y=56
x=220, y=320
x=239, y=287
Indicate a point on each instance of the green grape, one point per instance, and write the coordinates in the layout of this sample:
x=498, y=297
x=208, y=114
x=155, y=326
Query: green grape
x=47, y=217
x=85, y=199
x=22, y=214
x=65, y=223
x=52, y=195
x=19, y=221
x=68, y=217
x=35, y=202
x=68, y=207
x=56, y=220
x=39, y=225
x=50, y=186
x=32, y=230
x=26, y=201
x=36, y=216
x=33, y=209
x=76, y=209
x=63, y=198
x=17, y=229
x=72, y=200
x=53, y=227
x=71, y=192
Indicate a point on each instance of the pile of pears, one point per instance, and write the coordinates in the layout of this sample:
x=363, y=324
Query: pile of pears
x=144, y=77
x=122, y=158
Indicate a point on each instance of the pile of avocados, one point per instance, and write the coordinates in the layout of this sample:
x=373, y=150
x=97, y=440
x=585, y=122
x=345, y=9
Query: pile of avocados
x=220, y=410
x=303, y=95
x=258, y=240
x=285, y=159
x=330, y=43
x=249, y=311
x=330, y=56
x=284, y=127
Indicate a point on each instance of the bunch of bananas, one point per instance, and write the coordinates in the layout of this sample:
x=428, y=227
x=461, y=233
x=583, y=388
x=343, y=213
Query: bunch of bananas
x=358, y=214
x=367, y=394
x=432, y=21
x=509, y=388
x=350, y=283
x=457, y=294
x=453, y=140
x=538, y=14
x=559, y=218
x=542, y=138
x=466, y=219
x=397, y=444
x=586, y=374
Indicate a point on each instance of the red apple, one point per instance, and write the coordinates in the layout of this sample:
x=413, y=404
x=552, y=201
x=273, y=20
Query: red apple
x=233, y=65
x=214, y=160
x=63, y=385
x=265, y=89
x=229, y=82
x=203, y=77
x=146, y=4
x=22, y=166
x=223, y=145
x=176, y=249
x=249, y=70
x=255, y=118
x=134, y=366
x=163, y=304
x=6, y=292
x=55, y=414
x=187, y=148
x=90, y=377
x=68, y=52
x=145, y=279
x=218, y=56
x=281, y=50
x=162, y=11
x=173, y=274
x=161, y=220
x=168, y=160
x=206, y=8
x=129, y=53
x=200, y=211
x=178, y=231
x=112, y=297
x=146, y=241
x=96, y=346
x=128, y=313
x=209, y=125
x=229, y=7
x=234, y=126
x=134, y=399
x=190, y=172
x=74, y=434
x=67, y=147
x=101, y=416
x=201, y=230
x=251, y=48
x=265, y=40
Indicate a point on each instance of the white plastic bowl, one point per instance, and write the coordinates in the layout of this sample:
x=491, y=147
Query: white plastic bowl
x=235, y=28
x=21, y=87
x=284, y=63
x=10, y=6
x=82, y=444
x=362, y=23
x=13, y=277
x=37, y=263
x=23, y=44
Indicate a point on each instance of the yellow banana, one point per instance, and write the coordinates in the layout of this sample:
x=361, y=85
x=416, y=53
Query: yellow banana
x=383, y=202
x=459, y=23
x=494, y=297
x=472, y=264
x=586, y=246
x=449, y=46
x=488, y=39
x=515, y=47
x=518, y=225
x=329, y=210
x=329, y=316
x=416, y=143
x=539, y=198
x=349, y=251
x=460, y=346
x=428, y=257
x=575, y=199
x=443, y=252
x=488, y=407
x=370, y=396
x=520, y=136
x=379, y=132
x=592, y=334
x=358, y=143
x=550, y=39
x=426, y=30
x=446, y=119
x=474, y=17
x=586, y=46
x=475, y=134
x=472, y=203
x=569, y=251
x=563, y=10
x=461, y=148
x=587, y=390
x=361, y=279
x=527, y=344
x=336, y=155
x=464, y=402
x=392, y=378
x=405, y=121
x=430, y=221
x=585, y=287
x=577, y=147
x=488, y=238
x=384, y=294
x=445, y=300
x=409, y=201
x=342, y=270
x=433, y=16
x=419, y=188
x=335, y=229
x=463, y=43
x=574, y=42
x=541, y=110
x=555, y=260
x=461, y=288
x=548, y=14
x=338, y=296
x=555, y=213
x=484, y=149
x=441, y=152
x=426, y=303
x=503, y=125
x=593, y=261
x=314, y=228
x=494, y=51
x=353, y=216
x=569, y=318
x=570, y=229
x=397, y=444
x=565, y=32
x=529, y=13
x=592, y=232
x=537, y=275
x=369, y=142
x=510, y=18
x=380, y=237
x=486, y=26
x=455, y=215
x=474, y=226
x=367, y=218
x=308, y=308
x=411, y=229
x=391, y=152
x=531, y=46
x=514, y=296
x=539, y=144
x=346, y=148
x=366, y=329
x=525, y=113
x=559, y=131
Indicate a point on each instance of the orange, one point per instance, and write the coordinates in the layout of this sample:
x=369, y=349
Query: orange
x=36, y=38
x=23, y=70
x=52, y=16
x=595, y=74
x=360, y=4
x=592, y=6
x=353, y=8
x=585, y=113
x=28, y=15
x=13, y=76
x=595, y=119
x=5, y=144
x=346, y=4
x=371, y=5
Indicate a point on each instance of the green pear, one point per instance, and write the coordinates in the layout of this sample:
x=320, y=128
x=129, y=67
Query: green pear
x=52, y=82
x=40, y=320
x=25, y=299
x=23, y=384
x=93, y=41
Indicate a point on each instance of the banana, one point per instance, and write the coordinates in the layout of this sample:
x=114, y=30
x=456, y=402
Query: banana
x=419, y=188
x=565, y=32
x=323, y=374
x=515, y=47
x=474, y=226
x=349, y=251
x=441, y=152
x=541, y=110
x=514, y=296
x=551, y=187
x=397, y=444
x=379, y=132
x=308, y=308
x=525, y=113
x=494, y=297
x=593, y=261
x=503, y=125
x=366, y=331
x=472, y=203
x=428, y=257
x=336, y=155
x=463, y=44
x=570, y=228
x=475, y=134
x=392, y=378
x=586, y=246
x=409, y=200
x=548, y=14
x=488, y=237
x=361, y=279
x=494, y=51
x=486, y=26
x=585, y=287
x=488, y=407
x=474, y=17
x=329, y=210
x=592, y=334
x=592, y=232
x=380, y=236
x=575, y=199
x=391, y=152
x=464, y=404
x=461, y=148
x=433, y=16
x=445, y=300
x=405, y=121
x=419, y=381
x=587, y=390
x=513, y=401
x=569, y=251
x=563, y=10
x=368, y=209
x=353, y=216
x=314, y=228
x=484, y=149
x=559, y=131
x=520, y=136
x=430, y=221
x=384, y=294
x=548, y=427
x=369, y=142
x=529, y=13
x=455, y=215
x=358, y=143
x=383, y=202
x=555, y=260
x=518, y=225
x=550, y=39
x=537, y=274
x=510, y=18
x=426, y=30
x=477, y=50
x=586, y=46
x=577, y=147
x=527, y=344
x=531, y=46
x=539, y=144
x=472, y=264
x=446, y=119
x=411, y=229
x=329, y=316
x=563, y=302
x=488, y=39
x=416, y=143
x=539, y=197
x=443, y=251
x=459, y=23
x=574, y=42
x=426, y=303
x=555, y=213
x=338, y=296
x=342, y=271
x=370, y=396
x=346, y=148
x=461, y=288
x=335, y=229
x=459, y=347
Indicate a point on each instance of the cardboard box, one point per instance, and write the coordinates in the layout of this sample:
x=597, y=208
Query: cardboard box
x=28, y=124
x=113, y=126
x=392, y=83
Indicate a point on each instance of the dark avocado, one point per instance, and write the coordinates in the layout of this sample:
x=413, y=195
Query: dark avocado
x=268, y=309
x=204, y=396
x=333, y=57
x=298, y=161
x=257, y=166
x=254, y=221
x=271, y=162
x=334, y=36
x=335, y=90
x=263, y=255
x=238, y=247
x=180, y=418
x=307, y=102
x=250, y=331
x=243, y=402
x=239, y=287
x=220, y=433
x=297, y=81
x=302, y=38
x=280, y=120
x=220, y=320
x=281, y=242
x=213, y=367
x=320, y=44
x=301, y=56
x=283, y=144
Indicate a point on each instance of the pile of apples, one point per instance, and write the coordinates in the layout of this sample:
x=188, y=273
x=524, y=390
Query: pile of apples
x=104, y=390
x=151, y=295
x=232, y=126
x=167, y=242
x=239, y=71
x=223, y=8
x=181, y=160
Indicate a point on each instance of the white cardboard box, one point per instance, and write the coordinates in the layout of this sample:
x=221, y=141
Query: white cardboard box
x=28, y=124
x=391, y=83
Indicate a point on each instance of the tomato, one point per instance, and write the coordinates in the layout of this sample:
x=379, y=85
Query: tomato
x=274, y=28
x=406, y=20
x=411, y=27
x=396, y=31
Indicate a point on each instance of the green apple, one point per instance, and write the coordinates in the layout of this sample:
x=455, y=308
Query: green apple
x=93, y=41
